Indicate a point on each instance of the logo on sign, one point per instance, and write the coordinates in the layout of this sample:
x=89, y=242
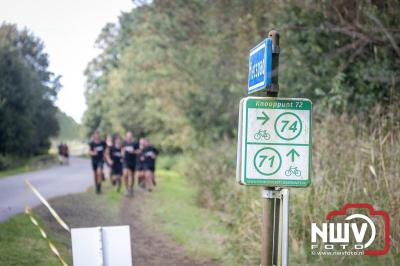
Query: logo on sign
x=260, y=66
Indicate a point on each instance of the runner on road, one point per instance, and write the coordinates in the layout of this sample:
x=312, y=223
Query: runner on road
x=114, y=159
x=96, y=151
x=129, y=151
x=60, y=153
x=150, y=154
x=65, y=151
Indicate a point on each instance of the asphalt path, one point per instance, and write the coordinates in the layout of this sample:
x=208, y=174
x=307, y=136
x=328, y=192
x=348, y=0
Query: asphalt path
x=52, y=182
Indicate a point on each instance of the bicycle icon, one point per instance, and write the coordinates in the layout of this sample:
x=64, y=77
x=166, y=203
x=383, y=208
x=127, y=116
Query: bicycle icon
x=262, y=134
x=293, y=170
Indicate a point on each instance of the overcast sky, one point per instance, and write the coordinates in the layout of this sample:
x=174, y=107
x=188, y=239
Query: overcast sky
x=69, y=29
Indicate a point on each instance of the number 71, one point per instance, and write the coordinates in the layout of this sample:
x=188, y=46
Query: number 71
x=264, y=157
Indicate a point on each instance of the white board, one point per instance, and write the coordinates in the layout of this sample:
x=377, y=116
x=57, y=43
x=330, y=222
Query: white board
x=274, y=142
x=98, y=246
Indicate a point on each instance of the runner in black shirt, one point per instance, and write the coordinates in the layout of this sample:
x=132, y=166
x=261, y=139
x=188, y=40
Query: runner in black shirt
x=150, y=153
x=109, y=142
x=140, y=165
x=129, y=151
x=114, y=158
x=97, y=148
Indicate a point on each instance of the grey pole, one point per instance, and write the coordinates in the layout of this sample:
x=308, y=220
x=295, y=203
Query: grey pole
x=285, y=227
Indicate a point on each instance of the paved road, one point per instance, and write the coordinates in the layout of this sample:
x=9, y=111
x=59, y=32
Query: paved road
x=52, y=182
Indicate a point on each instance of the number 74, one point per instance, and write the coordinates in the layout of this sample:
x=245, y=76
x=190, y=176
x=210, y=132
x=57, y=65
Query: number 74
x=293, y=126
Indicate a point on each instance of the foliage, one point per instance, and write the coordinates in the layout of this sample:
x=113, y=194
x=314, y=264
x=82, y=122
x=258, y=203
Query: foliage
x=342, y=53
x=22, y=244
x=27, y=94
x=4, y=162
x=69, y=129
x=13, y=165
x=175, y=70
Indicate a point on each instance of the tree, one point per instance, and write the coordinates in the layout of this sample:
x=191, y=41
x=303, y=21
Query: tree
x=27, y=94
x=175, y=70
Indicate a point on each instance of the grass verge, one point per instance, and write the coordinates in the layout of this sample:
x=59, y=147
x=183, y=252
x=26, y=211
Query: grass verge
x=199, y=231
x=22, y=244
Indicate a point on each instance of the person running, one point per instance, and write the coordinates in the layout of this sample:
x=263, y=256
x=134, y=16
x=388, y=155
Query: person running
x=109, y=143
x=60, y=153
x=66, y=153
x=150, y=154
x=129, y=151
x=114, y=158
x=140, y=164
x=97, y=148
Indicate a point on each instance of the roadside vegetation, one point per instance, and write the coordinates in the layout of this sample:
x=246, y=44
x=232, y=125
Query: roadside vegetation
x=174, y=71
x=13, y=165
x=69, y=128
x=22, y=244
x=199, y=231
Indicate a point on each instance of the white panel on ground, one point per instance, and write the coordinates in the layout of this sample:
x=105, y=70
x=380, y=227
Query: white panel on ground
x=101, y=246
x=117, y=246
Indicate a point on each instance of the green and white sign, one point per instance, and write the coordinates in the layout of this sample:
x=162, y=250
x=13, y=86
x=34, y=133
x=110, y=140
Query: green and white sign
x=274, y=145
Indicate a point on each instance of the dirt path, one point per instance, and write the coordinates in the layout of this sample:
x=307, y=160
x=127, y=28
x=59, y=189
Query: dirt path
x=150, y=247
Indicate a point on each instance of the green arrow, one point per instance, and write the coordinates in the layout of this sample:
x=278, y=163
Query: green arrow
x=292, y=153
x=264, y=117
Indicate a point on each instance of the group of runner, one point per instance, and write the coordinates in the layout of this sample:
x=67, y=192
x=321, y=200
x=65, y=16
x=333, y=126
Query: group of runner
x=125, y=160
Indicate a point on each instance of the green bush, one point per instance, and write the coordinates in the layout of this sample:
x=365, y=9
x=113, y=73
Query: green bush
x=212, y=169
x=44, y=160
x=4, y=162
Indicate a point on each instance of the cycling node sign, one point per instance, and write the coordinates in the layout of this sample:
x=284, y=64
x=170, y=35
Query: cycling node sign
x=274, y=144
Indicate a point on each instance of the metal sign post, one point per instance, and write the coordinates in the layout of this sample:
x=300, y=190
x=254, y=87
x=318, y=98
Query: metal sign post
x=274, y=147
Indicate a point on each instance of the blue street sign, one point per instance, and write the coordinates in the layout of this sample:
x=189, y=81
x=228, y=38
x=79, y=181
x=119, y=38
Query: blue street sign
x=260, y=66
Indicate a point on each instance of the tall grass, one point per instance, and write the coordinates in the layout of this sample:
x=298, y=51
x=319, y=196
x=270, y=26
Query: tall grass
x=356, y=159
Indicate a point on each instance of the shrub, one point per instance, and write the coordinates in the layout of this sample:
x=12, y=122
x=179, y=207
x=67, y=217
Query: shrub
x=4, y=162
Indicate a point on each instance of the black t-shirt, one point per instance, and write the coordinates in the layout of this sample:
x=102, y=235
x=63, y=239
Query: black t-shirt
x=150, y=154
x=99, y=148
x=130, y=149
x=116, y=155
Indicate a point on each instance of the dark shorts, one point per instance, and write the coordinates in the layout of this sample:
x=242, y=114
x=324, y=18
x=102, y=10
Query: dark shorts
x=96, y=164
x=116, y=169
x=129, y=165
x=139, y=166
x=149, y=167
